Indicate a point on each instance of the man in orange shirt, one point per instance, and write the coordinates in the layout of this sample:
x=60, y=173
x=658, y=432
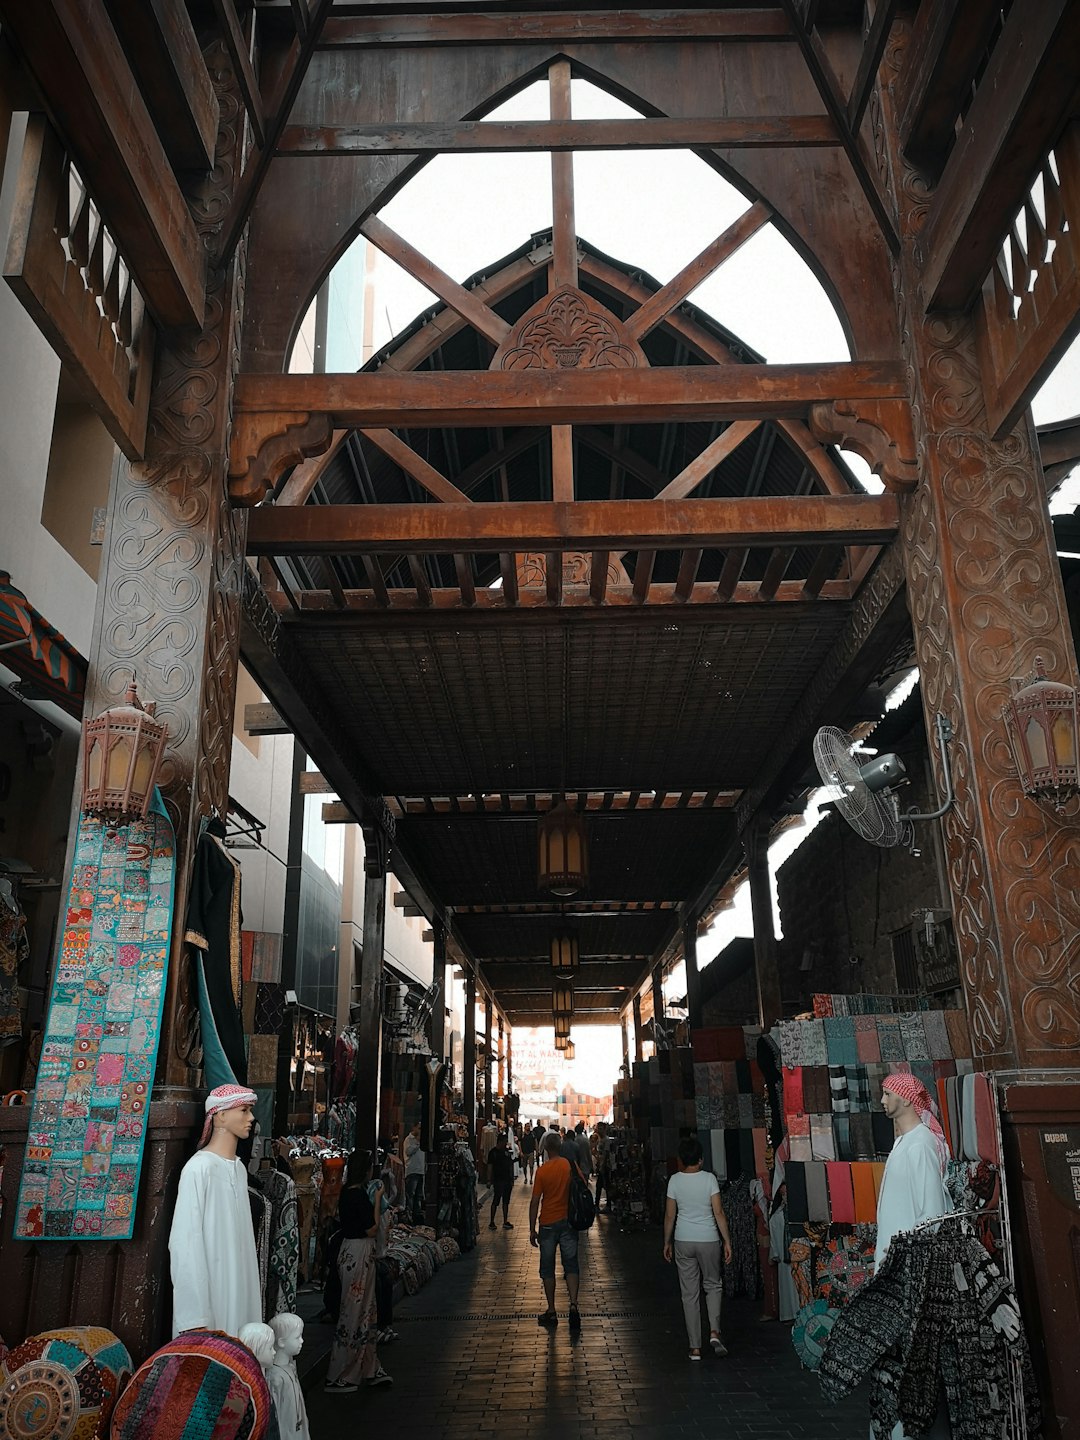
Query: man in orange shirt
x=550, y=1200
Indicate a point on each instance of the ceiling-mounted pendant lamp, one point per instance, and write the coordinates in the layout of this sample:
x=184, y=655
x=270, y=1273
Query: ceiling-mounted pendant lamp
x=562, y=999
x=563, y=851
x=562, y=1027
x=564, y=953
x=562, y=1043
x=568, y=1050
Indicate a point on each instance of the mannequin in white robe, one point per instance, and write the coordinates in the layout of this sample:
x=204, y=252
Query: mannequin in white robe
x=214, y=1264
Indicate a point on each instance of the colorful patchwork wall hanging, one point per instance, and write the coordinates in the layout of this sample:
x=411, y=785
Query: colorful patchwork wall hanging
x=91, y=1103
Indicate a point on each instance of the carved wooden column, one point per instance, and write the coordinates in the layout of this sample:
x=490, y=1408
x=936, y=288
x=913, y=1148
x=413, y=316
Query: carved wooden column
x=509, y=1058
x=624, y=1032
x=756, y=843
x=985, y=594
x=639, y=1053
x=169, y=584
x=502, y=1058
x=370, y=1000
x=693, y=977
x=437, y=1023
x=468, y=1062
x=487, y=1061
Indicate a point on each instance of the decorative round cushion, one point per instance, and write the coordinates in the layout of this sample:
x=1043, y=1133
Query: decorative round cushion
x=810, y=1332
x=62, y=1384
x=203, y=1383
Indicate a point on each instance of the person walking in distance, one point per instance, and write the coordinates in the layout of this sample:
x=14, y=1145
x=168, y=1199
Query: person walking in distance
x=549, y=1229
x=501, y=1174
x=415, y=1169
x=528, y=1155
x=695, y=1227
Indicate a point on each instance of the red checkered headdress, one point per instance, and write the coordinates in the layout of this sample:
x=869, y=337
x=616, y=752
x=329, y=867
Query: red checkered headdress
x=911, y=1089
x=225, y=1097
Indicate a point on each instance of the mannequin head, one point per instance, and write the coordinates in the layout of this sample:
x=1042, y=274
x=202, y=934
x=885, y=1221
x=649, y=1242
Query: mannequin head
x=288, y=1337
x=260, y=1340
x=230, y=1116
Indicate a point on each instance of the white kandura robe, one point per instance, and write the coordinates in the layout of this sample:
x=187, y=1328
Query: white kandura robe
x=215, y=1268
x=912, y=1190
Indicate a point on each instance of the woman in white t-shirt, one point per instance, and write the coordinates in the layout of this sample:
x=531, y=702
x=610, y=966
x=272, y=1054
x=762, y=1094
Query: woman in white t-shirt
x=694, y=1220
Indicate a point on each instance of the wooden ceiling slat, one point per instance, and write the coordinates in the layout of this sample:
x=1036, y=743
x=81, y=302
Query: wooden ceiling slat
x=466, y=583
x=598, y=578
x=688, y=568
x=541, y=27
x=508, y=570
x=375, y=580
x=643, y=571
x=729, y=576
x=775, y=570
x=828, y=557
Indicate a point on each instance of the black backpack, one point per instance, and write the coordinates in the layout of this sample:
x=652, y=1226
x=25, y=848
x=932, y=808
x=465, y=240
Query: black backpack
x=581, y=1208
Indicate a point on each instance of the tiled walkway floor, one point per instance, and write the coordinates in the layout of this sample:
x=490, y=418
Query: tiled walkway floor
x=472, y=1361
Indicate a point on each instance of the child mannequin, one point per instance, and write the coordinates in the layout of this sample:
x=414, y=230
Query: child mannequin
x=288, y=1397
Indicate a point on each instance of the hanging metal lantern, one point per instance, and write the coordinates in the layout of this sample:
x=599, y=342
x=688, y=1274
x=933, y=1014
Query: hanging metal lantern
x=562, y=999
x=565, y=954
x=1041, y=721
x=563, y=851
x=122, y=754
x=562, y=1027
x=568, y=1050
x=561, y=1042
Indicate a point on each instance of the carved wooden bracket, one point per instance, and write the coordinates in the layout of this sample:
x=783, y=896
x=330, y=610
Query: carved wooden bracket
x=881, y=431
x=567, y=330
x=266, y=443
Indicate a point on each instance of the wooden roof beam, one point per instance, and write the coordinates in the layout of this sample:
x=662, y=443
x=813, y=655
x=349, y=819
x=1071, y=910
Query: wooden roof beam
x=414, y=465
x=300, y=484
x=947, y=44
x=73, y=52
x=654, y=310
x=1024, y=98
x=641, y=525
x=494, y=136
x=505, y=25
x=534, y=605
x=485, y=398
x=164, y=50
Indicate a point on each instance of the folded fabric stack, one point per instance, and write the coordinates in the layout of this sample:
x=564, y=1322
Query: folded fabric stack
x=868, y=1004
x=839, y=1137
x=415, y=1254
x=730, y=1111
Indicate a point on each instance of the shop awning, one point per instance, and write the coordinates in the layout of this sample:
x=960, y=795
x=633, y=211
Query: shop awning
x=37, y=652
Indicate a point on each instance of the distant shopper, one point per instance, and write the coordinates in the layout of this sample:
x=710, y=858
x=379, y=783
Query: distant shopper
x=501, y=1175
x=549, y=1204
x=603, y=1164
x=353, y=1359
x=415, y=1169
x=528, y=1155
x=694, y=1228
x=584, y=1150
